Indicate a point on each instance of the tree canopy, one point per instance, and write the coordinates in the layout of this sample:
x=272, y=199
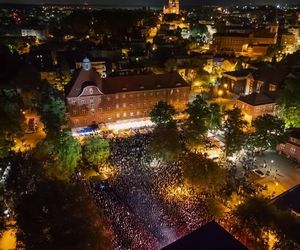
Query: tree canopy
x=165, y=144
x=201, y=117
x=96, y=150
x=256, y=216
x=53, y=113
x=269, y=131
x=289, y=104
x=12, y=122
x=203, y=173
x=59, y=155
x=233, y=130
x=162, y=114
x=60, y=216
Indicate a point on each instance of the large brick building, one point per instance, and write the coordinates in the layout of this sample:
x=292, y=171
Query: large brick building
x=92, y=99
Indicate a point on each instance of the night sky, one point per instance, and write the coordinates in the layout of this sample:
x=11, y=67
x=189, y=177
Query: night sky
x=155, y=2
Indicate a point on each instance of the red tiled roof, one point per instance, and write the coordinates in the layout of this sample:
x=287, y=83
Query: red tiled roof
x=123, y=83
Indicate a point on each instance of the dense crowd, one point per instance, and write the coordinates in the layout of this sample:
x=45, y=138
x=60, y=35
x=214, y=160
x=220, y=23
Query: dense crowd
x=141, y=213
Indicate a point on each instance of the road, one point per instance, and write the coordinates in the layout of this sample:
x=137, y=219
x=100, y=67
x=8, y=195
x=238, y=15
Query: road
x=284, y=174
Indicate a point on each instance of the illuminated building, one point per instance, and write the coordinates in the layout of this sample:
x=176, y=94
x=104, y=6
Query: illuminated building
x=172, y=8
x=292, y=147
x=248, y=43
x=256, y=104
x=93, y=100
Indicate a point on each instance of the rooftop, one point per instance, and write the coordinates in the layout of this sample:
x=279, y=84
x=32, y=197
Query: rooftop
x=239, y=73
x=256, y=99
x=83, y=78
x=208, y=237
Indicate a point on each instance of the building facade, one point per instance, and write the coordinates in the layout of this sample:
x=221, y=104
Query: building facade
x=172, y=8
x=256, y=104
x=250, y=43
x=292, y=147
x=92, y=99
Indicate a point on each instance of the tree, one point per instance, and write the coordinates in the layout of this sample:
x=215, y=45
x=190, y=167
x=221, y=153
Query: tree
x=59, y=155
x=233, y=131
x=60, y=216
x=96, y=151
x=203, y=173
x=12, y=122
x=198, y=121
x=215, y=116
x=269, y=132
x=53, y=114
x=289, y=104
x=165, y=144
x=256, y=216
x=162, y=114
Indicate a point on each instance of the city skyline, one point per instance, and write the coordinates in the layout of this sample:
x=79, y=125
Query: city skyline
x=152, y=2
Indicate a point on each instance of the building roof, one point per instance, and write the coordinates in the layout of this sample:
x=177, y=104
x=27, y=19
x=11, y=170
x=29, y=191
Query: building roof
x=208, y=237
x=239, y=73
x=271, y=74
x=289, y=200
x=256, y=99
x=142, y=82
x=80, y=79
x=295, y=133
x=119, y=84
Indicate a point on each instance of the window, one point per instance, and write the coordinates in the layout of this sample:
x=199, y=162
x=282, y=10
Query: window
x=124, y=95
x=74, y=112
x=118, y=115
x=91, y=91
x=124, y=114
x=108, y=98
x=74, y=101
x=293, y=150
x=82, y=101
x=117, y=96
x=131, y=113
x=91, y=99
x=124, y=105
x=117, y=105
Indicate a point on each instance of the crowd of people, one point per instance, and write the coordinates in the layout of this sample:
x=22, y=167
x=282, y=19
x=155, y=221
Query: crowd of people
x=141, y=213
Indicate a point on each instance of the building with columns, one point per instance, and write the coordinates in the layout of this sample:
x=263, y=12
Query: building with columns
x=94, y=100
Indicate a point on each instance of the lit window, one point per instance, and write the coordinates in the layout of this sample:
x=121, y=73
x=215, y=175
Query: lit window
x=117, y=96
x=91, y=91
x=117, y=105
x=124, y=105
x=124, y=114
x=118, y=115
x=82, y=101
x=293, y=150
x=131, y=113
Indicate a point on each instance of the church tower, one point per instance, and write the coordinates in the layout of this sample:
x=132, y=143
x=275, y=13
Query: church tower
x=172, y=8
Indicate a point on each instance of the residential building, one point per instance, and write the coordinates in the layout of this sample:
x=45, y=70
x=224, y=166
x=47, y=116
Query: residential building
x=292, y=147
x=256, y=104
